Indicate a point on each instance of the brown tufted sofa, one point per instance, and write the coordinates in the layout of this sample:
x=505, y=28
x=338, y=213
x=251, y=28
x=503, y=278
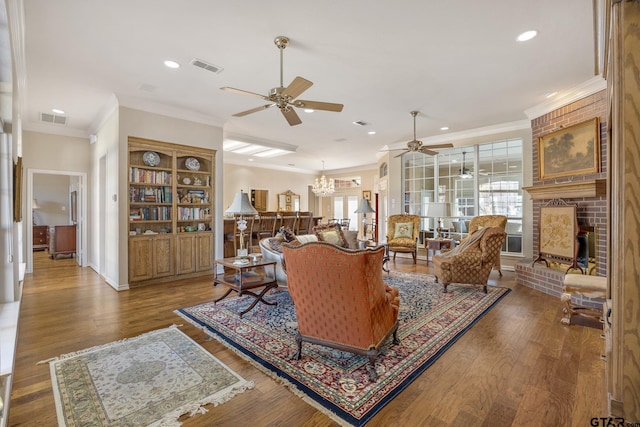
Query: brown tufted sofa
x=471, y=261
x=340, y=298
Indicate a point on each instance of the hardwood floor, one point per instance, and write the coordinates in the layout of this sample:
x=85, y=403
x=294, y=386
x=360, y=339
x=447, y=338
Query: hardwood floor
x=518, y=366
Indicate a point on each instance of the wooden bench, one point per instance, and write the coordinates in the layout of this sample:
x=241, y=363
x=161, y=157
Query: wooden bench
x=584, y=285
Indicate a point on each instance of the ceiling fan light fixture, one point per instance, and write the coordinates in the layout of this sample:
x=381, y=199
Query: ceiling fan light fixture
x=285, y=97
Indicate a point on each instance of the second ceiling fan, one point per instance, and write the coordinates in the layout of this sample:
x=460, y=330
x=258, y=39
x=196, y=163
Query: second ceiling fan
x=416, y=146
x=285, y=97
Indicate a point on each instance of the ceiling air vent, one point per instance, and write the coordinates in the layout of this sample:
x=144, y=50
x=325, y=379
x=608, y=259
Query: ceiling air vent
x=205, y=65
x=360, y=123
x=53, y=118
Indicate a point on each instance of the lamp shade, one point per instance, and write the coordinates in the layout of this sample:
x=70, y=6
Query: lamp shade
x=241, y=205
x=34, y=204
x=439, y=210
x=364, y=207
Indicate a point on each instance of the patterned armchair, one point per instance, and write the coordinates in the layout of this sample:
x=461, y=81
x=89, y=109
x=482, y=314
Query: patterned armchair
x=340, y=298
x=402, y=234
x=471, y=261
x=482, y=221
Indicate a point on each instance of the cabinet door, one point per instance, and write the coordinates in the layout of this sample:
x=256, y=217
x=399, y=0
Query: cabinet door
x=204, y=251
x=163, y=256
x=140, y=259
x=186, y=253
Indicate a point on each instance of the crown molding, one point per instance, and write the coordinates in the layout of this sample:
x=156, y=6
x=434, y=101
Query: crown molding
x=167, y=110
x=566, y=97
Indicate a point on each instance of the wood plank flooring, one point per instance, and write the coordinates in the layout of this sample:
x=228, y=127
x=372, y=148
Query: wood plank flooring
x=518, y=366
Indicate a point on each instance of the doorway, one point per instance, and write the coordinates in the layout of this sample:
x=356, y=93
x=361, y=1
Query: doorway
x=60, y=209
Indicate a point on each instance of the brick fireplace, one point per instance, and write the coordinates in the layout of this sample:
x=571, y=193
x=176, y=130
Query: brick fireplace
x=587, y=192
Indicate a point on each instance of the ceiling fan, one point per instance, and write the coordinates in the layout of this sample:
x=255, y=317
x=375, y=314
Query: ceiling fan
x=416, y=146
x=285, y=97
x=465, y=173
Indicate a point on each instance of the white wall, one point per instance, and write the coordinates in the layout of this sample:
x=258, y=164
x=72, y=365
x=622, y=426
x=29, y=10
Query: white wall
x=102, y=210
x=53, y=196
x=48, y=152
x=246, y=178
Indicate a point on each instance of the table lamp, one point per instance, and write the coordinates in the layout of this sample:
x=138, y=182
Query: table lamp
x=438, y=211
x=241, y=206
x=364, y=209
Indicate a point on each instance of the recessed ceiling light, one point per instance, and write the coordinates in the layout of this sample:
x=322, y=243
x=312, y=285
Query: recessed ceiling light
x=444, y=128
x=372, y=132
x=57, y=111
x=308, y=110
x=527, y=35
x=251, y=160
x=171, y=64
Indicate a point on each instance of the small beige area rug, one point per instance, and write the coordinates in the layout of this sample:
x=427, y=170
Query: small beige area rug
x=149, y=380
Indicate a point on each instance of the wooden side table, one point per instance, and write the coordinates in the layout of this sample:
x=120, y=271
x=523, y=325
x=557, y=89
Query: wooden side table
x=436, y=245
x=246, y=276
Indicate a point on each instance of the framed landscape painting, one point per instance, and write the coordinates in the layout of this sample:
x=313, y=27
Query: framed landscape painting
x=571, y=151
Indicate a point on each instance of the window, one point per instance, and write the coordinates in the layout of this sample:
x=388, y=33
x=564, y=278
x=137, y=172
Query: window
x=483, y=179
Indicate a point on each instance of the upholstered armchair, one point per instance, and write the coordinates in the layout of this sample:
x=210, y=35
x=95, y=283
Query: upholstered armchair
x=340, y=298
x=482, y=221
x=402, y=234
x=471, y=261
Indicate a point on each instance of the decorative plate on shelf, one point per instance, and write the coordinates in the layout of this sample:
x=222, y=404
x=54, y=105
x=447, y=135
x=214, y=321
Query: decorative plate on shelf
x=186, y=181
x=192, y=163
x=151, y=158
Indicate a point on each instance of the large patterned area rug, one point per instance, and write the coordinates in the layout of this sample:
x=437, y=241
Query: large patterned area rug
x=149, y=380
x=335, y=382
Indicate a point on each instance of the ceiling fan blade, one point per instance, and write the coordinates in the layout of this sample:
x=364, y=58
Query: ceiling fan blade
x=244, y=92
x=425, y=150
x=405, y=151
x=253, y=110
x=447, y=145
x=291, y=116
x=297, y=86
x=315, y=105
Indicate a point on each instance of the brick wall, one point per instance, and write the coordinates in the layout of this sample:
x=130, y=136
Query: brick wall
x=592, y=211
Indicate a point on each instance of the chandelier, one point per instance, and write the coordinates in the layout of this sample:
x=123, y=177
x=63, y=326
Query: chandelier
x=323, y=187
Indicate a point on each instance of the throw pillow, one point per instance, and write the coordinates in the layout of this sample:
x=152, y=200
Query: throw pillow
x=275, y=243
x=287, y=234
x=403, y=229
x=306, y=238
x=331, y=233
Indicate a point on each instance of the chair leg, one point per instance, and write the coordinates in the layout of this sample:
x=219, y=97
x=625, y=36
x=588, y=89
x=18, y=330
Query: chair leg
x=371, y=367
x=500, y=273
x=414, y=254
x=298, y=354
x=444, y=285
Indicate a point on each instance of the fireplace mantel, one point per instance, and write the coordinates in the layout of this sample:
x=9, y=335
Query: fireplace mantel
x=568, y=190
